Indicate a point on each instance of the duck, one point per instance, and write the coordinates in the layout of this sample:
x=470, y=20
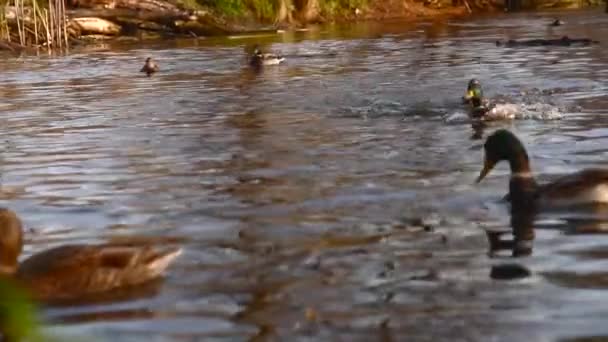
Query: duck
x=70, y=272
x=259, y=59
x=556, y=22
x=482, y=109
x=474, y=97
x=149, y=67
x=585, y=187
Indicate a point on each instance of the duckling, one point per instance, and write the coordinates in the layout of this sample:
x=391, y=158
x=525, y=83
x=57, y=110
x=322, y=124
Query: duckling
x=584, y=187
x=149, y=67
x=74, y=271
x=258, y=58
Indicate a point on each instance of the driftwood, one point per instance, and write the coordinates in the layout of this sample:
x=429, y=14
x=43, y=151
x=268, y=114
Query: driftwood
x=92, y=25
x=116, y=14
x=137, y=5
x=564, y=41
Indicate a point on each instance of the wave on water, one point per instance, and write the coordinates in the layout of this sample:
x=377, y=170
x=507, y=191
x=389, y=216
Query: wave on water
x=374, y=109
x=512, y=111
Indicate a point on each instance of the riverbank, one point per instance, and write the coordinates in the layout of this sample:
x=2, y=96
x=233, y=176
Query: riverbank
x=61, y=23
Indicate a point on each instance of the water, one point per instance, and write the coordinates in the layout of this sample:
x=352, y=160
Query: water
x=299, y=194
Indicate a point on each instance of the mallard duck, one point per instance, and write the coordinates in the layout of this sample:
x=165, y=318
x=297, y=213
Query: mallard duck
x=258, y=58
x=149, y=67
x=474, y=97
x=75, y=271
x=584, y=187
x=481, y=108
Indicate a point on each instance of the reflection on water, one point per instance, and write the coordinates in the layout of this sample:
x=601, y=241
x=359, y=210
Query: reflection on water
x=323, y=199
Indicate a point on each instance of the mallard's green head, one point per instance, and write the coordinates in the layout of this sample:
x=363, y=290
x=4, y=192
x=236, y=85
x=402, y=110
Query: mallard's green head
x=256, y=50
x=474, y=90
x=504, y=145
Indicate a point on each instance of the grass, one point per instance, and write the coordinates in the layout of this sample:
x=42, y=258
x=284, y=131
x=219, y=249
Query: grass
x=267, y=10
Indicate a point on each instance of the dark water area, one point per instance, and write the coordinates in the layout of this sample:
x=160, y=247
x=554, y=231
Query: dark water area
x=325, y=199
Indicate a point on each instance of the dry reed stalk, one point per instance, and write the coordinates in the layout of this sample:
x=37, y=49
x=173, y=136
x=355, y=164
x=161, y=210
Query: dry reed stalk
x=18, y=17
x=48, y=29
x=44, y=22
x=65, y=24
x=52, y=23
x=35, y=5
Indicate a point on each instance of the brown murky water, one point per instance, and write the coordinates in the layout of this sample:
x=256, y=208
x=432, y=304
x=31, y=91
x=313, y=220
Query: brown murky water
x=300, y=193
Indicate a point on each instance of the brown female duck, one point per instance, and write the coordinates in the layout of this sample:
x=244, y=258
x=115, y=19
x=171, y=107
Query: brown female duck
x=74, y=271
x=584, y=187
x=149, y=67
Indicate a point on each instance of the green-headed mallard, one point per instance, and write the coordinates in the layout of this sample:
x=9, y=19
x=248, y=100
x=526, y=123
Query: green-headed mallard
x=481, y=108
x=74, y=271
x=259, y=59
x=149, y=67
x=584, y=187
x=474, y=97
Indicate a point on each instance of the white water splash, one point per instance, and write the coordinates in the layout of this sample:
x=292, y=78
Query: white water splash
x=511, y=111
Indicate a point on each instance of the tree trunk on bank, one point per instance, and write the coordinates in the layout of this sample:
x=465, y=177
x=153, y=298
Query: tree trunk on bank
x=284, y=12
x=309, y=10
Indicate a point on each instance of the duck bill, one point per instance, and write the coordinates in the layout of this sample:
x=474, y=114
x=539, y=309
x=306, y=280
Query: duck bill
x=488, y=165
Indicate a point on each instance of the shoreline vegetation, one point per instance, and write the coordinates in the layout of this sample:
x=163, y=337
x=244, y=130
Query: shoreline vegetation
x=55, y=25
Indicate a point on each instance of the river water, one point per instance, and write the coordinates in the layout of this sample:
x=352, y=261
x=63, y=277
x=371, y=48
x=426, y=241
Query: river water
x=328, y=198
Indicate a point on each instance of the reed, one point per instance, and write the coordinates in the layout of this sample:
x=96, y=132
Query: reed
x=35, y=23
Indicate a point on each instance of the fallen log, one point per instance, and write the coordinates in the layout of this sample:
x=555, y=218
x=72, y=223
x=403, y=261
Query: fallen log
x=564, y=41
x=92, y=25
x=113, y=14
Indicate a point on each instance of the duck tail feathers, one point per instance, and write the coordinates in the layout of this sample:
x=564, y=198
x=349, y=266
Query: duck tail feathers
x=162, y=259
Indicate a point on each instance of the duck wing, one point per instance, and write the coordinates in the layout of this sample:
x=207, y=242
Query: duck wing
x=77, y=270
x=586, y=186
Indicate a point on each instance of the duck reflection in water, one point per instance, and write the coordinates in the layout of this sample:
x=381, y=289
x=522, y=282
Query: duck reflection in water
x=522, y=223
x=478, y=129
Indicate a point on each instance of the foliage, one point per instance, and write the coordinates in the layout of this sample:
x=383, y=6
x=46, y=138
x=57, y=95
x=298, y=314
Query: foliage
x=267, y=9
x=17, y=317
x=341, y=7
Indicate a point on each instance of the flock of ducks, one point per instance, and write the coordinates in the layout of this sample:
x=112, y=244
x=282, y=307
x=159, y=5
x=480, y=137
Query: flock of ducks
x=256, y=60
x=74, y=271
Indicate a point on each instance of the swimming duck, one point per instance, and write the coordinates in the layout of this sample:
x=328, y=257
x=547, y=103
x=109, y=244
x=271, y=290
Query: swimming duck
x=149, y=67
x=556, y=22
x=474, y=97
x=584, y=187
x=258, y=58
x=481, y=108
x=75, y=271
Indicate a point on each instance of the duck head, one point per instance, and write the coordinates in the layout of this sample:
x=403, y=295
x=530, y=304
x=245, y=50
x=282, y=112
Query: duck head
x=474, y=94
x=256, y=50
x=11, y=241
x=504, y=145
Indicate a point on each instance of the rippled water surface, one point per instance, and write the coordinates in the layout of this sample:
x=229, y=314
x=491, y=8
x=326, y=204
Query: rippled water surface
x=301, y=194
